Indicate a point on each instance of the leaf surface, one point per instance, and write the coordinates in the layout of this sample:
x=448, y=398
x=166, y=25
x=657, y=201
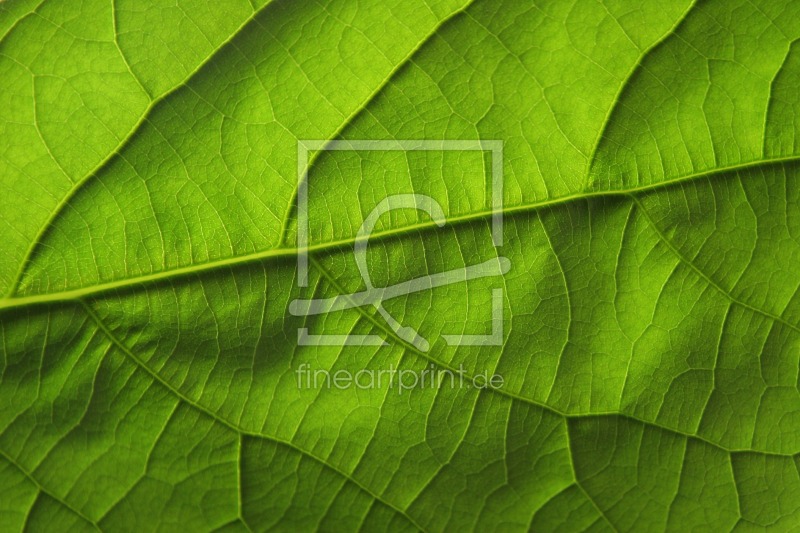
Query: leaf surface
x=651, y=316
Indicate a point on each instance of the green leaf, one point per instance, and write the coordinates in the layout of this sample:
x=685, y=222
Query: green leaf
x=151, y=372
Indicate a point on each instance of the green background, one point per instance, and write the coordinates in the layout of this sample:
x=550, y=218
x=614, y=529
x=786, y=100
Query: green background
x=651, y=339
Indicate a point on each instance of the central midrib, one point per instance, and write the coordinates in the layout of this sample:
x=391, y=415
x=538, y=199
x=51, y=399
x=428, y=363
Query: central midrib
x=276, y=253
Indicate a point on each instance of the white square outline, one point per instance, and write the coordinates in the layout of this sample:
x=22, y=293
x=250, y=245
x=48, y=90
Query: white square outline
x=304, y=146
